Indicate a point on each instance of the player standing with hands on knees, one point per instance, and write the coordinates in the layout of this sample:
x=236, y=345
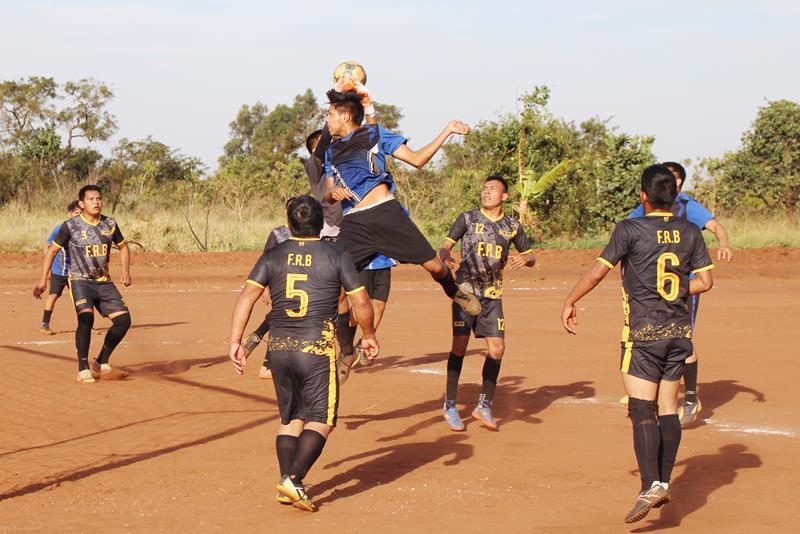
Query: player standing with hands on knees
x=304, y=276
x=658, y=253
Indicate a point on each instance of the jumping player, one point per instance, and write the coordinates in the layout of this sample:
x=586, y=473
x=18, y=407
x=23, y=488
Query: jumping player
x=658, y=252
x=374, y=222
x=58, y=272
x=304, y=276
x=693, y=211
x=89, y=238
x=486, y=236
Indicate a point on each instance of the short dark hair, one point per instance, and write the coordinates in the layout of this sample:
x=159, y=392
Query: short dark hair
x=498, y=178
x=348, y=101
x=316, y=134
x=674, y=166
x=660, y=186
x=305, y=216
x=72, y=206
x=87, y=188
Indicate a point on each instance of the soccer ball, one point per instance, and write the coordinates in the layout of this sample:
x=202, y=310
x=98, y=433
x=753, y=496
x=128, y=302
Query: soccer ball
x=348, y=72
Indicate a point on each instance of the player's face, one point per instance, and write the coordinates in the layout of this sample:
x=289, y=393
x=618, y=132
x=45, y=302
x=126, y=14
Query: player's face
x=74, y=213
x=336, y=121
x=493, y=194
x=92, y=203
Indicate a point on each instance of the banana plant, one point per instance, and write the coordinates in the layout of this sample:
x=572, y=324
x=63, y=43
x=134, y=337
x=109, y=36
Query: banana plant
x=530, y=185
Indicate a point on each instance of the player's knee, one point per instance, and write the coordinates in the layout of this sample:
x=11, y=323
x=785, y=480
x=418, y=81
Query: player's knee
x=122, y=322
x=642, y=411
x=496, y=349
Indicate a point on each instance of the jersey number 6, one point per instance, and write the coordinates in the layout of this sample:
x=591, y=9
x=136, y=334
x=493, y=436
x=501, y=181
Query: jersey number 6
x=662, y=276
x=294, y=293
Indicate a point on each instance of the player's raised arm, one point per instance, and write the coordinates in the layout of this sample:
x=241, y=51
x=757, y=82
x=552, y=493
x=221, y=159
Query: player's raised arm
x=418, y=158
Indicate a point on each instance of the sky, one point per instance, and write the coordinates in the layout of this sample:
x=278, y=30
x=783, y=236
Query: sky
x=691, y=73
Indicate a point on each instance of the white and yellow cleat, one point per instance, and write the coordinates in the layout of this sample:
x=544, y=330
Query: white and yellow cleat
x=85, y=377
x=296, y=495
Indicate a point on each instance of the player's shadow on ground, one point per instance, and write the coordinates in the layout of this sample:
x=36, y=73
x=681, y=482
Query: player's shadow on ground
x=702, y=476
x=513, y=402
x=716, y=394
x=395, y=361
x=151, y=326
x=177, y=366
x=101, y=328
x=388, y=464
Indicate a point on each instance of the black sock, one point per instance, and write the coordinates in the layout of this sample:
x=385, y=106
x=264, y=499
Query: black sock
x=46, y=317
x=491, y=370
x=345, y=333
x=309, y=447
x=285, y=447
x=448, y=283
x=454, y=364
x=263, y=328
x=670, y=429
x=119, y=328
x=646, y=439
x=83, y=334
x=690, y=381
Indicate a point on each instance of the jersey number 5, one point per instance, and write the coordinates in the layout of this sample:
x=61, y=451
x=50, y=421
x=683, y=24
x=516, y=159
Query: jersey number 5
x=662, y=277
x=295, y=293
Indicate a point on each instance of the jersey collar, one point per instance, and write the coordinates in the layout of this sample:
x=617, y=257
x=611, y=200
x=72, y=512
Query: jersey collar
x=499, y=217
x=89, y=222
x=304, y=238
x=659, y=214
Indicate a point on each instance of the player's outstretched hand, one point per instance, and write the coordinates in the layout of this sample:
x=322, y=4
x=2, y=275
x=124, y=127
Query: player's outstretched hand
x=458, y=127
x=371, y=347
x=447, y=258
x=724, y=253
x=569, y=319
x=341, y=193
x=238, y=358
x=126, y=279
x=38, y=289
x=515, y=262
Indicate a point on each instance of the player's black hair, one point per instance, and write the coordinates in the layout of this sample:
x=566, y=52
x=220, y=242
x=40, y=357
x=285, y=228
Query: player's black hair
x=316, y=134
x=305, y=216
x=348, y=101
x=674, y=166
x=498, y=178
x=87, y=188
x=660, y=186
x=72, y=206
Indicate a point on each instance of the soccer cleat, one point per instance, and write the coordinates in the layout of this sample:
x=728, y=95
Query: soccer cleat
x=688, y=411
x=653, y=497
x=283, y=499
x=85, y=377
x=265, y=373
x=250, y=343
x=100, y=369
x=468, y=302
x=483, y=413
x=343, y=367
x=452, y=417
x=46, y=330
x=296, y=494
x=361, y=355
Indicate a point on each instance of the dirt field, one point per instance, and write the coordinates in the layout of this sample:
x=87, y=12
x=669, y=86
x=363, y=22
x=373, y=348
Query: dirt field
x=185, y=445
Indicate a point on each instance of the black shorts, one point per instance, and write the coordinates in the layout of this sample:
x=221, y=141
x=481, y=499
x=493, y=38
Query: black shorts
x=306, y=386
x=489, y=323
x=385, y=229
x=58, y=283
x=104, y=296
x=378, y=283
x=655, y=361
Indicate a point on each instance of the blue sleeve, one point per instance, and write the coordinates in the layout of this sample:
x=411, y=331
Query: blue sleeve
x=53, y=234
x=390, y=141
x=697, y=214
x=638, y=212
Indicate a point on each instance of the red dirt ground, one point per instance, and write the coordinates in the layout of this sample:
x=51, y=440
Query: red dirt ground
x=185, y=445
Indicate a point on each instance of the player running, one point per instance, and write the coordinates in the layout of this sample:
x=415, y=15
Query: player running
x=58, y=272
x=304, y=276
x=486, y=236
x=88, y=239
x=658, y=253
x=693, y=211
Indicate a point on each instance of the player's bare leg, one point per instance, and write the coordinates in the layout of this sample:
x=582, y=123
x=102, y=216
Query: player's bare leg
x=345, y=334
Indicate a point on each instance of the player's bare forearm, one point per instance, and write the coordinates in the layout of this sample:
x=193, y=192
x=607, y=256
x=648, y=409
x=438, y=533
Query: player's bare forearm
x=47, y=263
x=702, y=282
x=587, y=282
x=242, y=310
x=125, y=260
x=361, y=305
x=725, y=252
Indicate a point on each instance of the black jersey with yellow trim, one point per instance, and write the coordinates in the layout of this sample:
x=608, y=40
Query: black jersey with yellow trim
x=89, y=246
x=304, y=277
x=485, y=244
x=658, y=253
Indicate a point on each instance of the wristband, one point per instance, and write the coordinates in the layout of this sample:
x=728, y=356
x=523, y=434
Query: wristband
x=369, y=111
